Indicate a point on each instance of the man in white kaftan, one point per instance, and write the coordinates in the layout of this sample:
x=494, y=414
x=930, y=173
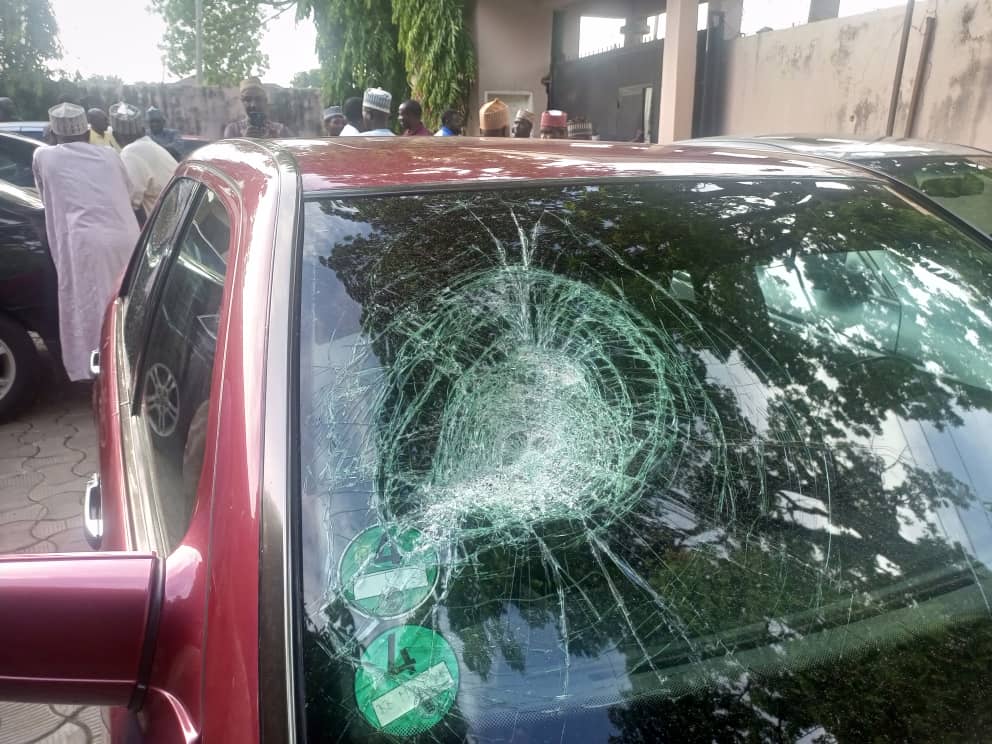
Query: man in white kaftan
x=91, y=230
x=149, y=166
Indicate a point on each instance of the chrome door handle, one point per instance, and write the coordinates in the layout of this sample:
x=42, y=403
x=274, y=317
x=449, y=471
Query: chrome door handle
x=93, y=513
x=95, y=362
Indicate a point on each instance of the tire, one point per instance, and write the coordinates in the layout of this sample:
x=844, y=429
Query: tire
x=19, y=368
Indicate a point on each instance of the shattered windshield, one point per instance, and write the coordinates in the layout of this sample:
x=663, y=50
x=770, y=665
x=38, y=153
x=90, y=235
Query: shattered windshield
x=961, y=184
x=684, y=460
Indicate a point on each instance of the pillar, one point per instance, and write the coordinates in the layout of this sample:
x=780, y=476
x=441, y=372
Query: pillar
x=678, y=71
x=820, y=10
x=569, y=18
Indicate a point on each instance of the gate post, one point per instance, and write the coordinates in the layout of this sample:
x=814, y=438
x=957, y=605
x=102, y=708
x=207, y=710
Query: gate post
x=678, y=71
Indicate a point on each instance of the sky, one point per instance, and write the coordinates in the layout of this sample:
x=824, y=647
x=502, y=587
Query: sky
x=132, y=50
x=133, y=55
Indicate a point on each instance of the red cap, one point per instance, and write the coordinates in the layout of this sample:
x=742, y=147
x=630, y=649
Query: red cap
x=554, y=119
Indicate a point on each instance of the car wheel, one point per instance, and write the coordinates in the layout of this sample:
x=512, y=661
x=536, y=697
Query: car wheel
x=161, y=400
x=18, y=368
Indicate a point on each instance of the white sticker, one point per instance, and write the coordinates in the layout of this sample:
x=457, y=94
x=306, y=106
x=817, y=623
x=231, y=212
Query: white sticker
x=401, y=700
x=394, y=580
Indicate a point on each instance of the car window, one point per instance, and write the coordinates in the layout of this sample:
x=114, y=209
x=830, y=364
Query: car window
x=961, y=184
x=153, y=251
x=681, y=460
x=177, y=365
x=15, y=165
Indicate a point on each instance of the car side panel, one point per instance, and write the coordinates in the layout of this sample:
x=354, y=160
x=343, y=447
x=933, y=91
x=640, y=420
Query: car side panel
x=169, y=712
x=174, y=706
x=230, y=691
x=28, y=285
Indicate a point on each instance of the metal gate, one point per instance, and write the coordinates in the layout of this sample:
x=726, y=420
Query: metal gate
x=619, y=90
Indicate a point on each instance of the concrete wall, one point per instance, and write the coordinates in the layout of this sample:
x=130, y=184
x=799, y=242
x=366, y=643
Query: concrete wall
x=204, y=111
x=513, y=44
x=836, y=76
x=956, y=104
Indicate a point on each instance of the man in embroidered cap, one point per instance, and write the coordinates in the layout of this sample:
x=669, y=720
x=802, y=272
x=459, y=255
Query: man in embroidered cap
x=554, y=124
x=523, y=124
x=167, y=138
x=99, y=132
x=91, y=229
x=412, y=119
x=494, y=119
x=376, y=106
x=256, y=122
x=334, y=121
x=580, y=129
x=149, y=165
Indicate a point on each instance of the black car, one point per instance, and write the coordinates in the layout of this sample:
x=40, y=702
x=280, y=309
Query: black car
x=33, y=129
x=16, y=155
x=957, y=177
x=28, y=295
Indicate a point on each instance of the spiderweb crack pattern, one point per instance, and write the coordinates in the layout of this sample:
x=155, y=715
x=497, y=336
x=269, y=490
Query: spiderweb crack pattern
x=556, y=406
x=525, y=412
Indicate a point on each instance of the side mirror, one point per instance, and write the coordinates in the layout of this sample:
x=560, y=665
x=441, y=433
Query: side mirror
x=77, y=627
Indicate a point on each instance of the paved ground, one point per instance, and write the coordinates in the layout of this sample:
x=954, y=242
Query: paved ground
x=46, y=457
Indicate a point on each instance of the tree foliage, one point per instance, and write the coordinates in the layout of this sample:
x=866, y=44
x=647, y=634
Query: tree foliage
x=397, y=45
x=357, y=43
x=28, y=43
x=28, y=36
x=232, y=36
x=438, y=52
x=308, y=79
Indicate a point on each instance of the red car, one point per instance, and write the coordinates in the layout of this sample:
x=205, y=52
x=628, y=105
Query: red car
x=495, y=440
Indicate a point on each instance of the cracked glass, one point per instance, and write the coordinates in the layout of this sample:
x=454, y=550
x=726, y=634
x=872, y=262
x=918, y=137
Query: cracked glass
x=689, y=460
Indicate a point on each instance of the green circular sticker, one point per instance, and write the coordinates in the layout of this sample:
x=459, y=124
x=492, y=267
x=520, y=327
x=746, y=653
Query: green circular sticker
x=407, y=681
x=387, y=573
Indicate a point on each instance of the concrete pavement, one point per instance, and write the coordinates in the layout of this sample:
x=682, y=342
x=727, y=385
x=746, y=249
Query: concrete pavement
x=46, y=456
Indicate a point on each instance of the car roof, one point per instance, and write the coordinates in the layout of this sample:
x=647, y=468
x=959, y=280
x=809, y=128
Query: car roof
x=18, y=126
x=20, y=196
x=850, y=148
x=17, y=137
x=359, y=163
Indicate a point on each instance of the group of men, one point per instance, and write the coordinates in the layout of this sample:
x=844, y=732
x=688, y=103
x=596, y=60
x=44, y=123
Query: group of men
x=494, y=121
x=369, y=116
x=98, y=181
x=105, y=172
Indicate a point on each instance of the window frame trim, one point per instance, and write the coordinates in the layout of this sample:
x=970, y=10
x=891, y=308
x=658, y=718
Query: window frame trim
x=158, y=287
x=130, y=388
x=146, y=528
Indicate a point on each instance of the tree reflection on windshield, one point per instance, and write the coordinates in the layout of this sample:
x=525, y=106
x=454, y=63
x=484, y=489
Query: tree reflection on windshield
x=961, y=184
x=569, y=449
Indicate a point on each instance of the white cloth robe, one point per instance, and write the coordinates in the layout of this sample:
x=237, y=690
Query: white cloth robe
x=149, y=169
x=91, y=234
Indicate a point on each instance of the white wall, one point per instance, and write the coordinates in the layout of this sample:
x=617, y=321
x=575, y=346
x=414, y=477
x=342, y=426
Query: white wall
x=832, y=76
x=836, y=76
x=513, y=44
x=957, y=95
